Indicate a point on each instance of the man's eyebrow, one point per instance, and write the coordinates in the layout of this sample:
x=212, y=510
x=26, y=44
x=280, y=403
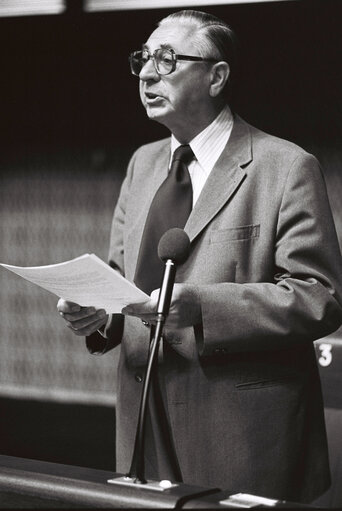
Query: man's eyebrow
x=164, y=46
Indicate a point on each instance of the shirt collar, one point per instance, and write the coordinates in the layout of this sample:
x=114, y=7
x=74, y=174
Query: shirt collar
x=208, y=145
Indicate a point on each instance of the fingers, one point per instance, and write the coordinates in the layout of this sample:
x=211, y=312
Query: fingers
x=65, y=306
x=155, y=296
x=146, y=310
x=83, y=313
x=87, y=328
x=149, y=317
x=148, y=307
x=81, y=320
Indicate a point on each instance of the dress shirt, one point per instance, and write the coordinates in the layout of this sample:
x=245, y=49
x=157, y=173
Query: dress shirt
x=207, y=147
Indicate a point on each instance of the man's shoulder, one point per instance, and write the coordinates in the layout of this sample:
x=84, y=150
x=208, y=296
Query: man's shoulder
x=153, y=148
x=272, y=144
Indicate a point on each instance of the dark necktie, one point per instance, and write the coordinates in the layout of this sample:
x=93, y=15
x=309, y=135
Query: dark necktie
x=170, y=207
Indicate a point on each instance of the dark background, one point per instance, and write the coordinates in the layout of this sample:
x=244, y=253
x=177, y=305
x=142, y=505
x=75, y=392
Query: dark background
x=70, y=117
x=66, y=82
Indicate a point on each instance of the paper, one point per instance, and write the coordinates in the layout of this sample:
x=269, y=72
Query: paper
x=85, y=280
x=247, y=500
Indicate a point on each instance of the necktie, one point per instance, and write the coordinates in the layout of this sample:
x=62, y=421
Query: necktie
x=170, y=208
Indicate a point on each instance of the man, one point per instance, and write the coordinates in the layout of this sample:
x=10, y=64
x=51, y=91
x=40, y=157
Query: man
x=238, y=402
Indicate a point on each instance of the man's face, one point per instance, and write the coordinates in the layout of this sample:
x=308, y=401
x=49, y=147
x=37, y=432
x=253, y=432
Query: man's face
x=180, y=99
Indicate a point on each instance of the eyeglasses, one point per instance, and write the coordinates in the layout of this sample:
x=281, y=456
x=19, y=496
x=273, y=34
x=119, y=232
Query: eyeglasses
x=165, y=60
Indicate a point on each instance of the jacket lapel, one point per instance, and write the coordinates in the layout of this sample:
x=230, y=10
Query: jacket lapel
x=158, y=174
x=223, y=180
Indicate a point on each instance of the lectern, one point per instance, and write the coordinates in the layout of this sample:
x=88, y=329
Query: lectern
x=41, y=485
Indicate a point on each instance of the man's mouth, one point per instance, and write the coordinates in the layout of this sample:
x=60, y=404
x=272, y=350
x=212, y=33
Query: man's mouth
x=150, y=96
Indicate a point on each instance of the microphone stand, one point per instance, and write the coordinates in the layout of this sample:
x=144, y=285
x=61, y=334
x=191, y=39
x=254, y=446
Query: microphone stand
x=137, y=470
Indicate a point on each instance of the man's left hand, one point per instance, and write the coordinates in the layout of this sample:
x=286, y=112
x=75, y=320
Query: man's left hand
x=185, y=308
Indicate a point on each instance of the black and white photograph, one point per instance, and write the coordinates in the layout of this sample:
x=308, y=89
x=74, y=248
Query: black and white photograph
x=170, y=254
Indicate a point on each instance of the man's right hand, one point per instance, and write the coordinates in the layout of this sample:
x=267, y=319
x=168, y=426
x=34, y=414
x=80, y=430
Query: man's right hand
x=81, y=320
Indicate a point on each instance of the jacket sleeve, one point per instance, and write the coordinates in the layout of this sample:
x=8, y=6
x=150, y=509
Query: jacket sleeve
x=303, y=303
x=96, y=343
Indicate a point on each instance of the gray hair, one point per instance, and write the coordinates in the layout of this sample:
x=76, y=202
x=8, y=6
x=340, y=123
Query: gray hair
x=212, y=37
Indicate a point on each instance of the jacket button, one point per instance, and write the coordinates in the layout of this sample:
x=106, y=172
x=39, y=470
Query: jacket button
x=138, y=378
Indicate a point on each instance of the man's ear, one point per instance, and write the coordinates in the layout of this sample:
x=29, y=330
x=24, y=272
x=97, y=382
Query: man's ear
x=218, y=78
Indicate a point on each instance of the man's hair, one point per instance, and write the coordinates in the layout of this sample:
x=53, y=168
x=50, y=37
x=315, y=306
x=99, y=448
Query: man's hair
x=212, y=37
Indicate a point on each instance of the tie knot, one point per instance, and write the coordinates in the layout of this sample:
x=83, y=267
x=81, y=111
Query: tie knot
x=183, y=153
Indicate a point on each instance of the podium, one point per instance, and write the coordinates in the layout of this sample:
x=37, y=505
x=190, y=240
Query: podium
x=51, y=485
x=44, y=485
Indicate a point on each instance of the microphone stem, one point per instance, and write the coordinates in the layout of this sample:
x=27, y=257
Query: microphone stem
x=165, y=293
x=137, y=469
x=139, y=454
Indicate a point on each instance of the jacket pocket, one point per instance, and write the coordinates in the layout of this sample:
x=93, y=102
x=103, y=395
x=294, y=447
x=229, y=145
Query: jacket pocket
x=244, y=232
x=263, y=383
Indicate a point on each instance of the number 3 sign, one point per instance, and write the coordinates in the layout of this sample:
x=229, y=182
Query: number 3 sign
x=326, y=354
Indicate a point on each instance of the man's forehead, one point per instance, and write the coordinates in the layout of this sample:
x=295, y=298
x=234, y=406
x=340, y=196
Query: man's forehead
x=169, y=36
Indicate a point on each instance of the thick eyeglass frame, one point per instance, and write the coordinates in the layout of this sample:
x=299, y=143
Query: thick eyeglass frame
x=174, y=58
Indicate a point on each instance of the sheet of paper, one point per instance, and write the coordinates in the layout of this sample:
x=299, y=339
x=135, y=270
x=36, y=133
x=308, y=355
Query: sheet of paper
x=246, y=500
x=86, y=280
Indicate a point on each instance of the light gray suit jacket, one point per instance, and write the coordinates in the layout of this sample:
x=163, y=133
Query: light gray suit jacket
x=243, y=392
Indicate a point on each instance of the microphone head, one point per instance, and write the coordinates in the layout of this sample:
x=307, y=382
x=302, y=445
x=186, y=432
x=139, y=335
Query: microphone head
x=174, y=245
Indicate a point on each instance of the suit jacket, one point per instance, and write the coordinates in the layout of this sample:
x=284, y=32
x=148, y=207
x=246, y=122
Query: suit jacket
x=243, y=391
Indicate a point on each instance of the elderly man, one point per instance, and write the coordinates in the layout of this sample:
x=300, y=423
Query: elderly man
x=238, y=402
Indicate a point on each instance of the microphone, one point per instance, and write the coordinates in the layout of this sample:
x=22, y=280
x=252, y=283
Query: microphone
x=174, y=245
x=173, y=249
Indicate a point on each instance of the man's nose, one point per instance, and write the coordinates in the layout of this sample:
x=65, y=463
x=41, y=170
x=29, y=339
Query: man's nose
x=149, y=72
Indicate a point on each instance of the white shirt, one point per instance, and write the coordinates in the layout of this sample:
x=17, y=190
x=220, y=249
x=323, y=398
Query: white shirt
x=207, y=147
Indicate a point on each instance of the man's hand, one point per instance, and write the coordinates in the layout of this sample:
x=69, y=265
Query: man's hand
x=81, y=320
x=185, y=308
